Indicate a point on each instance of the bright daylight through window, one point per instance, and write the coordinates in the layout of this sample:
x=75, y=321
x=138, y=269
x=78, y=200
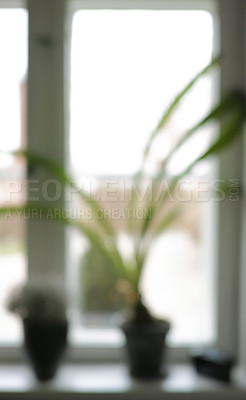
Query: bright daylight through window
x=126, y=67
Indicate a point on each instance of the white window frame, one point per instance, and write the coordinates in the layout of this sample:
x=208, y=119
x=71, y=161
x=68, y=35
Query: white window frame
x=47, y=135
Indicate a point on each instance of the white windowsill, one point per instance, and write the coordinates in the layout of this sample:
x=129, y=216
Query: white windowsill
x=96, y=345
x=105, y=381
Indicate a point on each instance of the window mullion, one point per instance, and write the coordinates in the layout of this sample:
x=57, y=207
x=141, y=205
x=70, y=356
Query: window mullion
x=46, y=240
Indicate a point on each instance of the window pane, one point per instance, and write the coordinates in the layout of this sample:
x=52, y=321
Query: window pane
x=13, y=71
x=126, y=67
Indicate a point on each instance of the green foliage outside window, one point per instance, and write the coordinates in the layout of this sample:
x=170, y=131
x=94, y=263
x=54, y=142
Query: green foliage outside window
x=99, y=283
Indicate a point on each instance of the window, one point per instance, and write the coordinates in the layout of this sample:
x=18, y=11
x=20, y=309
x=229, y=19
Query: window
x=51, y=134
x=126, y=66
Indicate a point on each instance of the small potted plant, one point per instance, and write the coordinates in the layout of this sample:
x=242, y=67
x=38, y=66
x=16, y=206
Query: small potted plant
x=145, y=335
x=43, y=313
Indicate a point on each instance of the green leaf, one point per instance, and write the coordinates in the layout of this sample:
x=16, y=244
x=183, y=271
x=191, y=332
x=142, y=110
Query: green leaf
x=59, y=172
x=166, y=221
x=233, y=101
x=175, y=102
x=51, y=214
x=154, y=206
x=228, y=133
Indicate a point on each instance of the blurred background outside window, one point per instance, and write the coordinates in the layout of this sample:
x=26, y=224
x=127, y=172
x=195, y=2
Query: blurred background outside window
x=126, y=67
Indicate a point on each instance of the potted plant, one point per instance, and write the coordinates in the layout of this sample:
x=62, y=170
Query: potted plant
x=43, y=313
x=144, y=333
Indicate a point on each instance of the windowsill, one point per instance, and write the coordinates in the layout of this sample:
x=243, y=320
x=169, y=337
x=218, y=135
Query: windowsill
x=97, y=345
x=105, y=380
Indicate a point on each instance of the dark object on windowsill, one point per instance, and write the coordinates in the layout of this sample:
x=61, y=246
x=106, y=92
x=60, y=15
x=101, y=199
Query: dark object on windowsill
x=42, y=309
x=213, y=362
x=45, y=344
x=145, y=344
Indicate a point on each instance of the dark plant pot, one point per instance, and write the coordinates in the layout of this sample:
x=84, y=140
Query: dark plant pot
x=145, y=344
x=45, y=344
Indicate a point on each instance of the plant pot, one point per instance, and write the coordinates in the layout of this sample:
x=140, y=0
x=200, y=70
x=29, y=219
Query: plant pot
x=146, y=345
x=45, y=344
